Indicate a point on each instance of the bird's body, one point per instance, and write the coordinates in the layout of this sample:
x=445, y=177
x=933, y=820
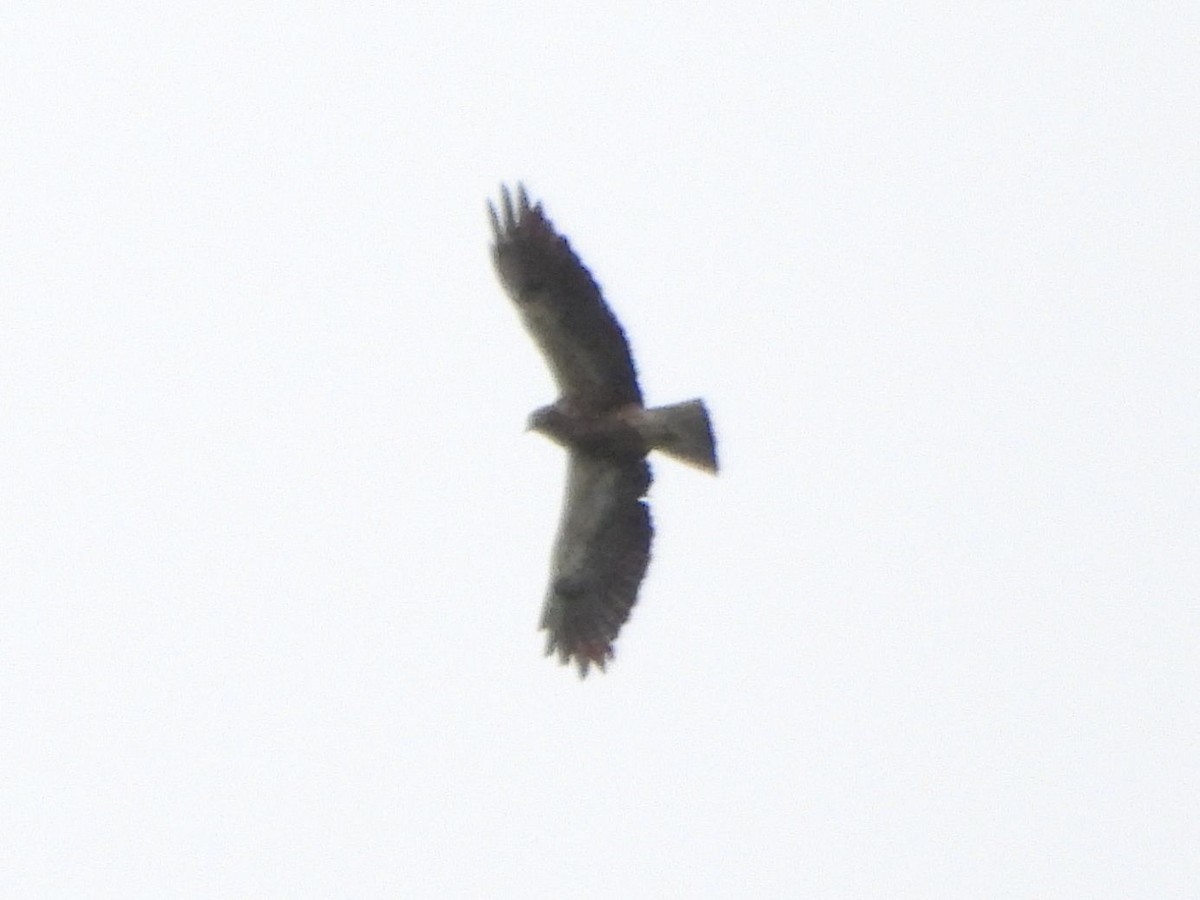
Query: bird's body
x=614, y=434
x=603, y=544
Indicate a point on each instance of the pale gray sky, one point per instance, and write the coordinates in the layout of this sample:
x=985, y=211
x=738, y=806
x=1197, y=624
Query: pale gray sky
x=274, y=541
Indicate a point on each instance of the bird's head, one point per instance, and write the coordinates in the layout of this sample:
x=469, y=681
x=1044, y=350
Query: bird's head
x=549, y=421
x=540, y=419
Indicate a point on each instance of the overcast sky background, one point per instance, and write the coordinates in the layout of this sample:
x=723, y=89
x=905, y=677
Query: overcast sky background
x=274, y=541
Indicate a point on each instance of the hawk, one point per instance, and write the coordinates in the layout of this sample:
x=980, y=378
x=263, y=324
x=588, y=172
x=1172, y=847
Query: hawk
x=603, y=543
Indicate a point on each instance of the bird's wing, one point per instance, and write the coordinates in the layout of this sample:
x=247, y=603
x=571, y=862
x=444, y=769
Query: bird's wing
x=599, y=559
x=562, y=307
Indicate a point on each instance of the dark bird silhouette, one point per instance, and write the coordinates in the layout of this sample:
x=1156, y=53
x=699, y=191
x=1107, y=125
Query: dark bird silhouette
x=603, y=543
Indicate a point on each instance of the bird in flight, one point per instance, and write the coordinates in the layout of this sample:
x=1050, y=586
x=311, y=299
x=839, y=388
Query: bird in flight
x=603, y=543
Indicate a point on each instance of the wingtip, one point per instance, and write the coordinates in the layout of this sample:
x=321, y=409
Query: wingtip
x=506, y=207
x=597, y=654
x=494, y=219
x=583, y=655
x=514, y=209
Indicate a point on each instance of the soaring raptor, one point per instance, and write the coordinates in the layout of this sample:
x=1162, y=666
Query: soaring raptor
x=603, y=544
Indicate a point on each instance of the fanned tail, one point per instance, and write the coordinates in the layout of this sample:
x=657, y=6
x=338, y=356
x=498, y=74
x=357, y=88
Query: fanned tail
x=684, y=431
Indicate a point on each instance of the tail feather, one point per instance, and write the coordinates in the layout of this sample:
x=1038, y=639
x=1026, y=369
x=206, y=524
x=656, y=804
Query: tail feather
x=684, y=431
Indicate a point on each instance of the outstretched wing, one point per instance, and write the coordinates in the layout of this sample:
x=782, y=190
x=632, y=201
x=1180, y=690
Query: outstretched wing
x=599, y=560
x=562, y=308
